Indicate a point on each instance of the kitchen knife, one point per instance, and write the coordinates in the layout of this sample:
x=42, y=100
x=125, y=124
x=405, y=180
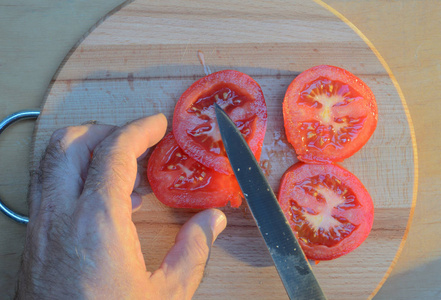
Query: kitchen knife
x=288, y=257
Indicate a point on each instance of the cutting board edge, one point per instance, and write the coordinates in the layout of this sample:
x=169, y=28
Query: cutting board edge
x=412, y=134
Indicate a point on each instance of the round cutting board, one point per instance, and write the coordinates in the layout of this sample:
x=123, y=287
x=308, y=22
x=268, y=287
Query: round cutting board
x=140, y=59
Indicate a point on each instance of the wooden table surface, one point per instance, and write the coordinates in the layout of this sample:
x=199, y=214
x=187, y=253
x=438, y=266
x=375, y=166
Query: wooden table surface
x=35, y=38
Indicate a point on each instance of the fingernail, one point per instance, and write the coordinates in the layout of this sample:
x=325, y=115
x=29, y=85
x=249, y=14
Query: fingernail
x=160, y=115
x=218, y=223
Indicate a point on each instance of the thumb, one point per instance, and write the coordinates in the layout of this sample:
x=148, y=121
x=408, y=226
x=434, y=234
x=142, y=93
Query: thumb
x=184, y=265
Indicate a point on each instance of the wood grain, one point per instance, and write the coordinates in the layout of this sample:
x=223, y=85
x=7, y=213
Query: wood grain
x=406, y=33
x=140, y=59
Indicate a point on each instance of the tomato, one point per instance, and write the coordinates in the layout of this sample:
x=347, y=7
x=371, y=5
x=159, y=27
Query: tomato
x=194, y=121
x=328, y=209
x=329, y=114
x=177, y=180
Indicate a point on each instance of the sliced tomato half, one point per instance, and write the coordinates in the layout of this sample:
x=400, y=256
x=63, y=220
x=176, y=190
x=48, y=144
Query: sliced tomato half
x=177, y=180
x=329, y=114
x=328, y=208
x=194, y=120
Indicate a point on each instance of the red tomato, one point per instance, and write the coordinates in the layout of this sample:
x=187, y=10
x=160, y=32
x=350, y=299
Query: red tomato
x=177, y=180
x=329, y=114
x=194, y=120
x=328, y=208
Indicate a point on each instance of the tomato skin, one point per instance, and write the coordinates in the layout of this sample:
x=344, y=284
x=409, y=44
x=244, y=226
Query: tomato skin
x=305, y=195
x=335, y=121
x=181, y=182
x=252, y=109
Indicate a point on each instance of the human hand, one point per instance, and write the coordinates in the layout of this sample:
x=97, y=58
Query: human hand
x=81, y=241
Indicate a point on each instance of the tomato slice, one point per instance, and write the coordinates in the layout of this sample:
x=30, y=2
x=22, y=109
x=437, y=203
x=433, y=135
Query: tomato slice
x=194, y=120
x=329, y=114
x=328, y=208
x=177, y=180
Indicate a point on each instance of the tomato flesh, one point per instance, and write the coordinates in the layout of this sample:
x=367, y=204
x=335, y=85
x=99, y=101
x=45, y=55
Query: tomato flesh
x=205, y=134
x=177, y=180
x=194, y=121
x=310, y=222
x=328, y=208
x=329, y=114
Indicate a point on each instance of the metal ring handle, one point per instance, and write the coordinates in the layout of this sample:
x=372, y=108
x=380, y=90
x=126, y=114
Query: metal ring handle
x=20, y=115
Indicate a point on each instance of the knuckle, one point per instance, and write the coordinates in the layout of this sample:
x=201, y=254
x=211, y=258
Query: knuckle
x=114, y=157
x=100, y=151
x=58, y=141
x=65, y=136
x=55, y=160
x=107, y=147
x=59, y=134
x=108, y=172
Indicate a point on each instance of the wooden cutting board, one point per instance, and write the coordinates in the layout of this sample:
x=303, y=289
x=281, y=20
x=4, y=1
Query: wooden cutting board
x=142, y=57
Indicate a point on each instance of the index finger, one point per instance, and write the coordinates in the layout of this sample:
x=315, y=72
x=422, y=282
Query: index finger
x=112, y=172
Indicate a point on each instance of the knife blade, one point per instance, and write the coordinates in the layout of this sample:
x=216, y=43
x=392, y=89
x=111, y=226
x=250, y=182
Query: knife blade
x=289, y=259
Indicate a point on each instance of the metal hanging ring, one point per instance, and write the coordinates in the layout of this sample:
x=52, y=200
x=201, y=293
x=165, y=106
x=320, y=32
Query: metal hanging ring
x=20, y=115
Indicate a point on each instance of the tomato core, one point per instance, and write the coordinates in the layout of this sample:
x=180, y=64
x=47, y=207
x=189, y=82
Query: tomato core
x=330, y=127
x=319, y=224
x=327, y=207
x=206, y=132
x=193, y=175
x=329, y=114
